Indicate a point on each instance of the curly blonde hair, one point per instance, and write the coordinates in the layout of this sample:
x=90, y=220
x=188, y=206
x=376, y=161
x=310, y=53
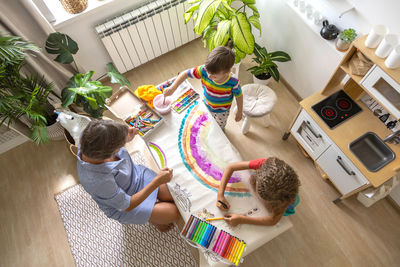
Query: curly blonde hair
x=277, y=182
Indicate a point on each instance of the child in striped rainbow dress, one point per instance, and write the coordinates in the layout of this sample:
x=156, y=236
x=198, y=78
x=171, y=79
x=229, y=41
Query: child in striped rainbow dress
x=219, y=83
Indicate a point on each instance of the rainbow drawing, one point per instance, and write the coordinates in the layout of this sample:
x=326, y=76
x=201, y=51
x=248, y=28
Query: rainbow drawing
x=160, y=153
x=198, y=157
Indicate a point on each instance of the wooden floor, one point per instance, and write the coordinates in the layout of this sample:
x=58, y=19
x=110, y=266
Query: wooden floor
x=324, y=234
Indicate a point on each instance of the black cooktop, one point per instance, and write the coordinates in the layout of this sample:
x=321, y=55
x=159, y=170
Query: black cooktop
x=336, y=108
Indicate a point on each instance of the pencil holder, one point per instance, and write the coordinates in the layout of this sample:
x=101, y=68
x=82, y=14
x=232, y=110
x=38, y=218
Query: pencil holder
x=201, y=234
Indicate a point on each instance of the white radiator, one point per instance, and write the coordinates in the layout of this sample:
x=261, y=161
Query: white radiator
x=145, y=33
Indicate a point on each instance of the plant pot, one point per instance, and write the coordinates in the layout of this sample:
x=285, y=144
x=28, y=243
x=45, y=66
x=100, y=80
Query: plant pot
x=55, y=131
x=262, y=79
x=235, y=69
x=74, y=6
x=342, y=45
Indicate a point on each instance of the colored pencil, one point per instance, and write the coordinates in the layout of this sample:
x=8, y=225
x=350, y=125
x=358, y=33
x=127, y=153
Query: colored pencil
x=211, y=236
x=187, y=225
x=215, y=219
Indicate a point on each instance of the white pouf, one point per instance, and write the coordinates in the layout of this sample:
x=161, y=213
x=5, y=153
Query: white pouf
x=258, y=101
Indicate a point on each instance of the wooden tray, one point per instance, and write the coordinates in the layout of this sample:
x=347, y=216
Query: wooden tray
x=124, y=104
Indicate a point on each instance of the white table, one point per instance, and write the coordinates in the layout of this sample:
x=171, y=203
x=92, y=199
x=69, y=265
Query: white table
x=194, y=154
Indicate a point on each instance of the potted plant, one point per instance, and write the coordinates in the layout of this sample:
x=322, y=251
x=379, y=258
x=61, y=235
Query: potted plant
x=80, y=89
x=221, y=24
x=345, y=38
x=266, y=68
x=23, y=94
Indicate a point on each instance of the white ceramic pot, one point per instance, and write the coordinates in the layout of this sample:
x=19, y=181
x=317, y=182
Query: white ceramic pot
x=258, y=81
x=342, y=45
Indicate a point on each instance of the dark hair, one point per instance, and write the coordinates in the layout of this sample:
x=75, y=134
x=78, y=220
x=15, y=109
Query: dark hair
x=277, y=182
x=220, y=59
x=101, y=139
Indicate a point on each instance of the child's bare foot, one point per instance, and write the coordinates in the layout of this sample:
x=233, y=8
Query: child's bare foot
x=164, y=227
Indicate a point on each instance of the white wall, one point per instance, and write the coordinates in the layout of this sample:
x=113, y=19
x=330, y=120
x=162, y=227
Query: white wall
x=313, y=59
x=92, y=55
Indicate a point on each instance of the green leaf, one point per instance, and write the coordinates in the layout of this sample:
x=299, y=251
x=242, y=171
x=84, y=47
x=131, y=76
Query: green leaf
x=279, y=56
x=239, y=55
x=187, y=16
x=227, y=5
x=62, y=45
x=12, y=49
x=211, y=45
x=256, y=22
x=207, y=10
x=241, y=33
x=67, y=97
x=258, y=52
x=274, y=73
x=91, y=94
x=116, y=76
x=249, y=2
x=222, y=34
x=193, y=8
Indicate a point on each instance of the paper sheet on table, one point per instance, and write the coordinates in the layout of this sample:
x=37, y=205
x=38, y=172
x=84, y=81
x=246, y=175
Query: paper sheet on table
x=191, y=193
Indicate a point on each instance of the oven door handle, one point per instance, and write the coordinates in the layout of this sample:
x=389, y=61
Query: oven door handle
x=308, y=125
x=339, y=160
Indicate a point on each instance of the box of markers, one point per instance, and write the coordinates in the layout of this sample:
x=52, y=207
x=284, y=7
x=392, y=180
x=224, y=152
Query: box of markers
x=222, y=244
x=124, y=104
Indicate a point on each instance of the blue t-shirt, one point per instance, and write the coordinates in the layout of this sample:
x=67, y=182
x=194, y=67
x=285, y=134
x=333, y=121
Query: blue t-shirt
x=112, y=184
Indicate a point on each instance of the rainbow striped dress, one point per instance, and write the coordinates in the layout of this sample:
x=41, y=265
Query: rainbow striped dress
x=217, y=97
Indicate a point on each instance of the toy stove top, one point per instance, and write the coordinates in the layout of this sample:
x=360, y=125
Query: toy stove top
x=336, y=108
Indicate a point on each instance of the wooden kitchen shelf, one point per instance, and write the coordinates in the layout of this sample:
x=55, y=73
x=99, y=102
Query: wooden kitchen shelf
x=345, y=67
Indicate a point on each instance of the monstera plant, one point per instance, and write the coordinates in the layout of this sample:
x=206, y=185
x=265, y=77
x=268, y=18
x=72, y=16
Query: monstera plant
x=221, y=24
x=80, y=89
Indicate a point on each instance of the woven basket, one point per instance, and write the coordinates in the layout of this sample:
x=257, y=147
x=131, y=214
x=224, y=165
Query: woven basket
x=74, y=6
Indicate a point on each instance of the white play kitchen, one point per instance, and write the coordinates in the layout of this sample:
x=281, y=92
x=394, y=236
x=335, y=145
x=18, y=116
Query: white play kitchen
x=351, y=129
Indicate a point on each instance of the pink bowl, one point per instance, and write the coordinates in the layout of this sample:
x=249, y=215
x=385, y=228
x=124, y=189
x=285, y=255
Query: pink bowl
x=161, y=106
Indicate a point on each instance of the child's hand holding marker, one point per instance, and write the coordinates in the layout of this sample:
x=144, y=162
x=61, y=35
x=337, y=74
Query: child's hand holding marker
x=164, y=176
x=222, y=203
x=233, y=219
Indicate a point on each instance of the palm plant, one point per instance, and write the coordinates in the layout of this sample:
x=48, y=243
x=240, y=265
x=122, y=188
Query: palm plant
x=22, y=94
x=80, y=89
x=266, y=66
x=221, y=24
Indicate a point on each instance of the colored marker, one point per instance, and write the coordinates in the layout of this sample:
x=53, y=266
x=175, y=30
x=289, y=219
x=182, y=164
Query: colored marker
x=196, y=229
x=232, y=251
x=217, y=241
x=199, y=234
x=227, y=247
x=240, y=254
x=187, y=225
x=211, y=237
x=223, y=244
x=223, y=204
x=228, y=251
x=205, y=235
x=190, y=232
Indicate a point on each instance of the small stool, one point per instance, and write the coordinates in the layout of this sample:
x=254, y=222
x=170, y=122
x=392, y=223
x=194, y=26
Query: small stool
x=258, y=101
